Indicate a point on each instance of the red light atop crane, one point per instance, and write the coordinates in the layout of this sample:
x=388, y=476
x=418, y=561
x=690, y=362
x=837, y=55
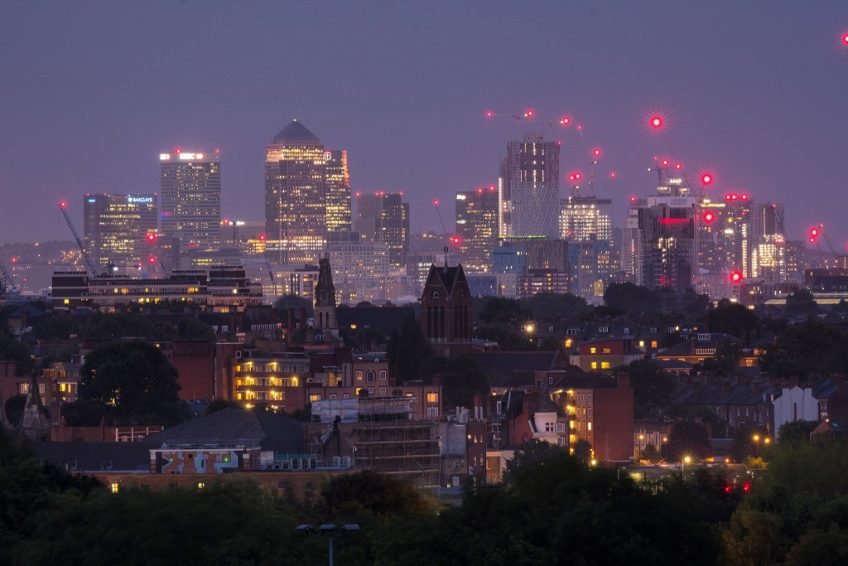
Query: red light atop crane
x=151, y=260
x=845, y=39
x=435, y=202
x=613, y=174
x=678, y=166
x=744, y=196
x=565, y=121
x=707, y=179
x=736, y=276
x=656, y=121
x=709, y=217
x=529, y=113
x=151, y=237
x=63, y=204
x=665, y=162
x=633, y=199
x=262, y=237
x=492, y=188
x=490, y=114
x=814, y=234
x=596, y=152
x=456, y=240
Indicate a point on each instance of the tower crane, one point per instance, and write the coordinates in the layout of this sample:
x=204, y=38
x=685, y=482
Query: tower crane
x=89, y=265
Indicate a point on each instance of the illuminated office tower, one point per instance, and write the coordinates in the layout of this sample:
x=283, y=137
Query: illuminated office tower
x=360, y=267
x=394, y=228
x=295, y=188
x=337, y=201
x=666, y=223
x=120, y=229
x=631, y=244
x=529, y=189
x=477, y=227
x=191, y=198
x=585, y=221
x=369, y=209
x=769, y=261
x=724, y=243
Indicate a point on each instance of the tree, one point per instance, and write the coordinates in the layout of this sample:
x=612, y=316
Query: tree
x=801, y=304
x=809, y=349
x=555, y=307
x=132, y=382
x=727, y=356
x=378, y=493
x=191, y=328
x=286, y=302
x=407, y=351
x=460, y=377
x=499, y=310
x=652, y=389
x=636, y=301
x=797, y=432
x=734, y=319
x=15, y=408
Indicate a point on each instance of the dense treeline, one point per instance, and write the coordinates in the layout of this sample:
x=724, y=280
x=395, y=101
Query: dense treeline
x=551, y=509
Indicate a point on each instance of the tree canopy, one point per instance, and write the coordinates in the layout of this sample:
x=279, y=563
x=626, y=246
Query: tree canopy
x=127, y=382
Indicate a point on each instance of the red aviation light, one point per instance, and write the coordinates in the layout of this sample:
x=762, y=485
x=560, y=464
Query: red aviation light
x=744, y=196
x=492, y=188
x=633, y=199
x=490, y=114
x=656, y=121
x=579, y=127
x=845, y=39
x=151, y=237
x=736, y=276
x=709, y=217
x=262, y=237
x=63, y=204
x=665, y=162
x=435, y=202
x=529, y=113
x=814, y=232
x=613, y=174
x=596, y=152
x=455, y=240
x=151, y=260
x=357, y=194
x=707, y=179
x=565, y=121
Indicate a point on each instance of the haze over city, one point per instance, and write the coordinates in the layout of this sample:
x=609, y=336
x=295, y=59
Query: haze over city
x=93, y=92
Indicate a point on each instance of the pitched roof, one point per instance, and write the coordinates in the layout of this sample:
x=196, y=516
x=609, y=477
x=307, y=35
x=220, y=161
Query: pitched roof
x=95, y=456
x=296, y=133
x=505, y=369
x=449, y=276
x=234, y=426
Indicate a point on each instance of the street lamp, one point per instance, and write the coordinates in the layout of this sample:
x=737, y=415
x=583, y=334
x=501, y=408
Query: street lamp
x=328, y=529
x=686, y=460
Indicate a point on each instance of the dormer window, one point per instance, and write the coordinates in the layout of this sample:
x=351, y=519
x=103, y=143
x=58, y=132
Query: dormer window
x=436, y=294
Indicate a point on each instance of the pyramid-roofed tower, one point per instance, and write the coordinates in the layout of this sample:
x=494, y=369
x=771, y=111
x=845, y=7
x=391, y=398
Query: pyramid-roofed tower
x=295, y=134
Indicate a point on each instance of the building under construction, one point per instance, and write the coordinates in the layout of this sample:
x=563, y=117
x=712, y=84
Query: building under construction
x=383, y=437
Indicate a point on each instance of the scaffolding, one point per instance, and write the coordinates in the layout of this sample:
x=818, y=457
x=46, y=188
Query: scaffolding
x=388, y=442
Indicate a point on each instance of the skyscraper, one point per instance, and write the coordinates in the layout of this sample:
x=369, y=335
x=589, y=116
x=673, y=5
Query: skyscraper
x=117, y=228
x=477, y=227
x=666, y=224
x=338, y=191
x=529, y=189
x=724, y=238
x=295, y=212
x=369, y=208
x=394, y=228
x=191, y=198
x=586, y=222
x=769, y=249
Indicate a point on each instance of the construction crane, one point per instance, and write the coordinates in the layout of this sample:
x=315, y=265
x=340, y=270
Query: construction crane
x=452, y=240
x=89, y=265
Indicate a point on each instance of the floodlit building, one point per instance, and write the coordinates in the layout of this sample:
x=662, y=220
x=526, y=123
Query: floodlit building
x=190, y=186
x=528, y=191
x=477, y=227
x=121, y=230
x=337, y=199
x=295, y=188
x=360, y=268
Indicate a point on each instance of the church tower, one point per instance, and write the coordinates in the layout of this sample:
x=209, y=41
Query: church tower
x=325, y=300
x=34, y=424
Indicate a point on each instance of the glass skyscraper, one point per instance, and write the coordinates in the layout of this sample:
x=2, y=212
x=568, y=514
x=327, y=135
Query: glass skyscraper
x=191, y=198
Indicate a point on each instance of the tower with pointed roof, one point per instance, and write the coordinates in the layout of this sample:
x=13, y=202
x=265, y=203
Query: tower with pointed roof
x=325, y=299
x=307, y=194
x=34, y=423
x=446, y=306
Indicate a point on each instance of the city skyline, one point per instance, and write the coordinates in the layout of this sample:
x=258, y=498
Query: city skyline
x=782, y=118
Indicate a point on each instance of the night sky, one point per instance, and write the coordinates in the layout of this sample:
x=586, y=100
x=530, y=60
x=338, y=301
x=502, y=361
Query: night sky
x=91, y=92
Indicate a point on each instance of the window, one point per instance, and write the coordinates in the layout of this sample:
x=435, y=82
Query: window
x=607, y=350
x=432, y=397
x=550, y=427
x=653, y=343
x=359, y=375
x=369, y=377
x=589, y=426
x=381, y=375
x=432, y=412
x=594, y=365
x=382, y=391
x=593, y=350
x=605, y=365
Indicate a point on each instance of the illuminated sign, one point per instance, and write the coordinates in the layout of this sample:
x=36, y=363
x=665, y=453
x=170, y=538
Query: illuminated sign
x=140, y=200
x=92, y=200
x=188, y=156
x=164, y=156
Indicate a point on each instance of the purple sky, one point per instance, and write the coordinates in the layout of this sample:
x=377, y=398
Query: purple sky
x=90, y=92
